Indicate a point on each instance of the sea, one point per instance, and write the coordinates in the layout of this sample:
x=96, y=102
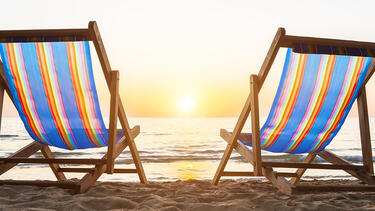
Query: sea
x=177, y=149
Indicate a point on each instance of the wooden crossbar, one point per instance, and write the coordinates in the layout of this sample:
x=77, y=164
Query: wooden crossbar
x=334, y=159
x=53, y=160
x=45, y=33
x=24, y=152
x=286, y=174
x=76, y=170
x=313, y=166
x=287, y=41
x=125, y=171
x=238, y=174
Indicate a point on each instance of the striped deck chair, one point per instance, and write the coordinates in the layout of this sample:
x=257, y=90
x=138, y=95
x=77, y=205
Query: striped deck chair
x=320, y=81
x=48, y=75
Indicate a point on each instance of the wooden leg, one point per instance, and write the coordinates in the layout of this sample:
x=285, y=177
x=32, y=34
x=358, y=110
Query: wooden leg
x=25, y=152
x=233, y=140
x=364, y=127
x=278, y=181
x=308, y=159
x=255, y=130
x=223, y=163
x=133, y=149
x=106, y=67
x=137, y=162
x=134, y=152
x=130, y=139
x=47, y=153
x=112, y=133
x=90, y=178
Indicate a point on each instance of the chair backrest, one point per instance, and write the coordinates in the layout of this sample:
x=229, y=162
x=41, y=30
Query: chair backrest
x=54, y=91
x=314, y=97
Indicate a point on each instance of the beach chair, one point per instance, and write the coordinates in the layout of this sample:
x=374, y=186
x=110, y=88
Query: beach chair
x=48, y=75
x=320, y=81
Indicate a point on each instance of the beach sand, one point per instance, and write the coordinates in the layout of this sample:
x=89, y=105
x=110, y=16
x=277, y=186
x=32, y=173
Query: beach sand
x=180, y=195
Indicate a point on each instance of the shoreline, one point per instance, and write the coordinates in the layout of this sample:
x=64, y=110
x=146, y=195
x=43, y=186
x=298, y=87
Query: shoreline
x=182, y=195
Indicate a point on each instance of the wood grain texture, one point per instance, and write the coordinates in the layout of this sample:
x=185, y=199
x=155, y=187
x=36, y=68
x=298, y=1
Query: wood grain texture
x=113, y=113
x=89, y=179
x=359, y=174
x=24, y=152
x=308, y=159
x=364, y=128
x=289, y=40
x=47, y=153
x=239, y=147
x=270, y=57
x=255, y=129
x=233, y=140
x=56, y=33
x=106, y=67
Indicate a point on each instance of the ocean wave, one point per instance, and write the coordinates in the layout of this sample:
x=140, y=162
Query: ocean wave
x=203, y=155
x=156, y=134
x=198, y=151
x=350, y=158
x=165, y=159
x=165, y=178
x=8, y=136
x=346, y=149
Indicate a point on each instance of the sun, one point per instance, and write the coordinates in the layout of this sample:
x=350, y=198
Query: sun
x=187, y=103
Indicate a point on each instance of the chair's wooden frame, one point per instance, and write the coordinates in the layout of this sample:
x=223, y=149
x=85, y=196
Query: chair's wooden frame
x=362, y=172
x=100, y=166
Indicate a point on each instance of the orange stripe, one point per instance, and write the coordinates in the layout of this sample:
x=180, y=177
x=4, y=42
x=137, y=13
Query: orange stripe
x=50, y=98
x=21, y=94
x=347, y=98
x=317, y=108
x=79, y=93
x=290, y=104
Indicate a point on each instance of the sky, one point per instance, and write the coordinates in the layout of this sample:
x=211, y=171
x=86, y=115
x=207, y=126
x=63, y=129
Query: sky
x=192, y=57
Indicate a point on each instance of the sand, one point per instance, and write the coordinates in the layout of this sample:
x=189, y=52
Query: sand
x=180, y=195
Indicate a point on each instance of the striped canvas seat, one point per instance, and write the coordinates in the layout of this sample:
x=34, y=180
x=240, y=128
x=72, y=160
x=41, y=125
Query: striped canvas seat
x=53, y=88
x=315, y=94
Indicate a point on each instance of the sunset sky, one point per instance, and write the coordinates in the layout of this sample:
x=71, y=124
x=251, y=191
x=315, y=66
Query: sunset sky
x=193, y=57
